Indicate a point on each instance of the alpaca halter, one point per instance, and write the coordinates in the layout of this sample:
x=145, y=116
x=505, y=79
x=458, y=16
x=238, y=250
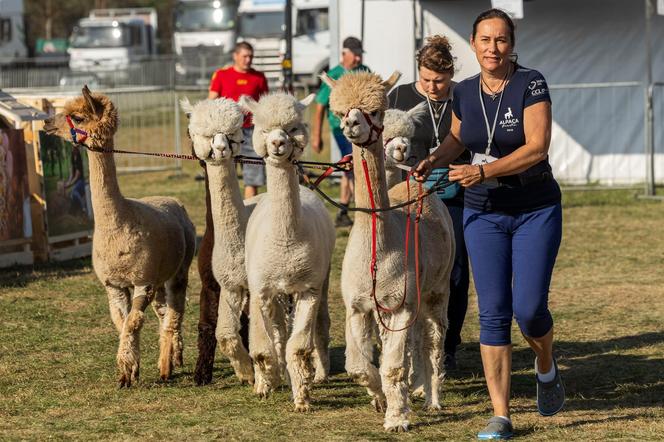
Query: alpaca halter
x=373, y=129
x=294, y=143
x=73, y=130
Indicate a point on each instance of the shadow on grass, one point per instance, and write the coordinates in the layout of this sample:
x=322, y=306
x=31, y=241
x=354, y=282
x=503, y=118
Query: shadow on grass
x=21, y=276
x=600, y=375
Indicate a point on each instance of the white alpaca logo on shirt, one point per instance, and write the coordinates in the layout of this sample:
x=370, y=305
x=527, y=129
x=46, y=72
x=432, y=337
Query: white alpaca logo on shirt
x=508, y=123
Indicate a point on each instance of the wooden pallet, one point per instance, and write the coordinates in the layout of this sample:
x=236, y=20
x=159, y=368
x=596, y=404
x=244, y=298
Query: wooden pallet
x=70, y=246
x=16, y=252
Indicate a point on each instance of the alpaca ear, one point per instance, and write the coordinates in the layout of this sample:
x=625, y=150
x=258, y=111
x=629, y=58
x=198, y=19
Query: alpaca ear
x=186, y=106
x=327, y=80
x=92, y=104
x=306, y=101
x=418, y=112
x=390, y=82
x=248, y=104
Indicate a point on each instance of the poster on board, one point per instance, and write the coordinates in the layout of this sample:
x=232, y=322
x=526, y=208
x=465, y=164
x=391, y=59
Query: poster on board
x=66, y=185
x=15, y=221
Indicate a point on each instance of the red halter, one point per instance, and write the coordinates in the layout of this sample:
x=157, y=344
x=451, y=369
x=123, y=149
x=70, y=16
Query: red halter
x=74, y=131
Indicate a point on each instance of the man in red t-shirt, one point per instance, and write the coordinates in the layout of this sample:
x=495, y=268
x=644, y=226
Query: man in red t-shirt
x=233, y=82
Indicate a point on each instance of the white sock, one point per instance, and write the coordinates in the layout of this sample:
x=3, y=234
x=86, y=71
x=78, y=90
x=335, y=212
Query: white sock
x=506, y=419
x=546, y=377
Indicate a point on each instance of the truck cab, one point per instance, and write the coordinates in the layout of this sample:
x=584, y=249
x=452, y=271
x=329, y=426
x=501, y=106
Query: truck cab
x=12, y=36
x=111, y=40
x=204, y=36
x=262, y=24
x=311, y=40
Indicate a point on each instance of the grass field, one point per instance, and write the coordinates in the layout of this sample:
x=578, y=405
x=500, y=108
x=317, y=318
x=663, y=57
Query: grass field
x=57, y=350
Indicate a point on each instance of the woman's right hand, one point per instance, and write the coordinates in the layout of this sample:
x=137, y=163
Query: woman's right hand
x=423, y=170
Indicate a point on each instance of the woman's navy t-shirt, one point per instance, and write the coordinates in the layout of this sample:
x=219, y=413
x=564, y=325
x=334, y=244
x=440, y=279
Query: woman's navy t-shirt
x=529, y=190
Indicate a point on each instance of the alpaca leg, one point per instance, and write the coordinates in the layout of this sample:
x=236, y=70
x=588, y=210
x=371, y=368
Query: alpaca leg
x=231, y=304
x=128, y=358
x=433, y=337
x=170, y=342
x=159, y=304
x=322, y=336
x=207, y=324
x=359, y=355
x=281, y=325
x=261, y=346
x=394, y=371
x=415, y=356
x=118, y=305
x=300, y=348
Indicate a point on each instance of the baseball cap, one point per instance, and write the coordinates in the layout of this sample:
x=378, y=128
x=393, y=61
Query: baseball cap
x=353, y=44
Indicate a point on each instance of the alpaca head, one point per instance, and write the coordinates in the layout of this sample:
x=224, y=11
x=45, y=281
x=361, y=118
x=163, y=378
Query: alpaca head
x=280, y=135
x=95, y=114
x=215, y=128
x=398, y=129
x=359, y=99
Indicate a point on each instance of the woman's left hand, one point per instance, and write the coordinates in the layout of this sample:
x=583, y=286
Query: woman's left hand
x=465, y=174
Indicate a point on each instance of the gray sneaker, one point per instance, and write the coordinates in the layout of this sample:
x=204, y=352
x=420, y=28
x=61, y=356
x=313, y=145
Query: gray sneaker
x=497, y=428
x=550, y=395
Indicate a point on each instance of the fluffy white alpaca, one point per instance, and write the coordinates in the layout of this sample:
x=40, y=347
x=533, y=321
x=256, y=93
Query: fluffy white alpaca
x=215, y=127
x=398, y=129
x=290, y=240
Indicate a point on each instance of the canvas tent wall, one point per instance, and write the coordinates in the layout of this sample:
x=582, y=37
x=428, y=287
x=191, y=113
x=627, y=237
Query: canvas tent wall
x=592, y=52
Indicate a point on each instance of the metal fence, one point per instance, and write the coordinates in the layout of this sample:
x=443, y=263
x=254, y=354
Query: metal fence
x=598, y=133
x=601, y=135
x=154, y=72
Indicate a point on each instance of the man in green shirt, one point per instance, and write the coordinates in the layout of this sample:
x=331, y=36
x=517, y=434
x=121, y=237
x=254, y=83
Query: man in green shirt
x=351, y=60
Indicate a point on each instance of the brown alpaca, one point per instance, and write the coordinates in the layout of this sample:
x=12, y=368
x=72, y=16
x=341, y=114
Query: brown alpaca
x=209, y=300
x=141, y=249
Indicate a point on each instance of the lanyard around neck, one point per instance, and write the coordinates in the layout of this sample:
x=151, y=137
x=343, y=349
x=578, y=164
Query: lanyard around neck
x=436, y=125
x=490, y=131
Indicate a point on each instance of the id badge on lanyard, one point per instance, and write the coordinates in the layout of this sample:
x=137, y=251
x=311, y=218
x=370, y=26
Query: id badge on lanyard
x=486, y=157
x=436, y=124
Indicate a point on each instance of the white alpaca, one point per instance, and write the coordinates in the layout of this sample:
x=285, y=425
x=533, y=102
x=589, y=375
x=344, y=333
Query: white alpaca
x=398, y=129
x=290, y=239
x=215, y=128
x=361, y=99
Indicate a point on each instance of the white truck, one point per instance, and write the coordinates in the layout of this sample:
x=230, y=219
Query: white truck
x=112, y=40
x=262, y=23
x=12, y=35
x=204, y=36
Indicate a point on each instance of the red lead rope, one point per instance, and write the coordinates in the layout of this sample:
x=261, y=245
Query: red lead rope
x=374, y=265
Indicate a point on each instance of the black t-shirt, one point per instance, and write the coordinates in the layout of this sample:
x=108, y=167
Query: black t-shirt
x=406, y=97
x=530, y=190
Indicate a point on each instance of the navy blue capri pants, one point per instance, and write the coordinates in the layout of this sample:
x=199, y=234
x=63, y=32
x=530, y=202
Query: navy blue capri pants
x=512, y=257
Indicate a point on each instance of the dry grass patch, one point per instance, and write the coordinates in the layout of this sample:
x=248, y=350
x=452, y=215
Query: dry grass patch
x=57, y=352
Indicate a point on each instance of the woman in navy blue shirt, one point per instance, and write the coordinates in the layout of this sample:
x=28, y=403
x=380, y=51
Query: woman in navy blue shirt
x=512, y=211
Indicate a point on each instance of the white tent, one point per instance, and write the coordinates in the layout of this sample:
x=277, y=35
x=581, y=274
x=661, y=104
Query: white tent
x=592, y=53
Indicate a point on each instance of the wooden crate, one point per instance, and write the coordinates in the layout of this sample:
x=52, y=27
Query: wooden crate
x=70, y=246
x=52, y=248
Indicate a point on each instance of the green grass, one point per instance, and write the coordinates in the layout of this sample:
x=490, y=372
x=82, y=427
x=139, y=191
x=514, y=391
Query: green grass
x=57, y=350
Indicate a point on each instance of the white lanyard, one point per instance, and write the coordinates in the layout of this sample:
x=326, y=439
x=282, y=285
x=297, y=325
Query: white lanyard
x=433, y=119
x=490, y=131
